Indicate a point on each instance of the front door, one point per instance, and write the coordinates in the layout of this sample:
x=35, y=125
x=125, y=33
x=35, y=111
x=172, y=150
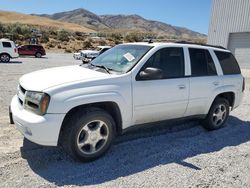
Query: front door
x=165, y=97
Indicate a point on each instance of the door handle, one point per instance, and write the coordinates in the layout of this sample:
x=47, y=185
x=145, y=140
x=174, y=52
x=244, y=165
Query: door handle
x=216, y=83
x=181, y=86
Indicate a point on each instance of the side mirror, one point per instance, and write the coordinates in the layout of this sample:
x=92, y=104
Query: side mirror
x=151, y=73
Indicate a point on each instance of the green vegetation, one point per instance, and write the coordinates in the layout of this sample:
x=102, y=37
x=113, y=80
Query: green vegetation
x=63, y=35
x=54, y=38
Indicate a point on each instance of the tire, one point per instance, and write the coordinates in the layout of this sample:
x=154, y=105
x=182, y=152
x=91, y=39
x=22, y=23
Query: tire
x=85, y=62
x=5, y=58
x=38, y=55
x=88, y=135
x=217, y=115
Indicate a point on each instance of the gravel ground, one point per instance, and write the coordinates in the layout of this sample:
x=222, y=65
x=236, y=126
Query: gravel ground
x=181, y=154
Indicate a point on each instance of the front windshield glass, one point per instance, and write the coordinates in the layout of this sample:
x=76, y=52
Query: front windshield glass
x=121, y=58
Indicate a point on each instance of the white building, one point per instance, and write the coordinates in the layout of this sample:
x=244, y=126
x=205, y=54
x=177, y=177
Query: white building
x=230, y=27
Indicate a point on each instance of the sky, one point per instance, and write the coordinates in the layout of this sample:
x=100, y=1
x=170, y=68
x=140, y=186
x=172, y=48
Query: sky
x=192, y=14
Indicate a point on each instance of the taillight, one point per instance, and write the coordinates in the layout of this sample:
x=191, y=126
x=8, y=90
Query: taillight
x=243, y=85
x=15, y=50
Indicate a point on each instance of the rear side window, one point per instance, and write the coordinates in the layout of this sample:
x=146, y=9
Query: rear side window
x=6, y=44
x=228, y=63
x=201, y=62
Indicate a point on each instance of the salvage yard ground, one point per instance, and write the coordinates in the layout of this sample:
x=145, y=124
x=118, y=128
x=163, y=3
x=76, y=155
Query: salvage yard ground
x=181, y=154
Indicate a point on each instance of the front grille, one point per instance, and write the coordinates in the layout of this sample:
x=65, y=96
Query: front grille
x=22, y=89
x=21, y=102
x=21, y=94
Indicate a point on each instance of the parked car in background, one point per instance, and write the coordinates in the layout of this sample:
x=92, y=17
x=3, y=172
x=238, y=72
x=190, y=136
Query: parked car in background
x=31, y=50
x=88, y=55
x=77, y=56
x=83, y=108
x=8, y=50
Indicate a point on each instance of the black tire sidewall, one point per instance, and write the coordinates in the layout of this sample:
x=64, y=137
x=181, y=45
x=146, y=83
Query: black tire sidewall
x=208, y=121
x=83, y=120
x=38, y=55
x=5, y=61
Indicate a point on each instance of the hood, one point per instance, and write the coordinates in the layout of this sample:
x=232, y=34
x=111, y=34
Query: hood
x=43, y=79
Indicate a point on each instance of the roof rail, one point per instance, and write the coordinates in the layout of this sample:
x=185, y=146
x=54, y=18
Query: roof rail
x=186, y=42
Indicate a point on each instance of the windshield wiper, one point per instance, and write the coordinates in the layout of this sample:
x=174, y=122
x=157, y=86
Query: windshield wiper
x=102, y=67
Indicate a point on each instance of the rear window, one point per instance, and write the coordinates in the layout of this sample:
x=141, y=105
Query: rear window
x=6, y=44
x=228, y=63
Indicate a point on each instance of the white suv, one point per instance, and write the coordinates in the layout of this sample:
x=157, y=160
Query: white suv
x=8, y=50
x=83, y=108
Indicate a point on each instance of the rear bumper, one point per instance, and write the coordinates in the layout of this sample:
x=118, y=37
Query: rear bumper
x=238, y=100
x=15, y=56
x=43, y=130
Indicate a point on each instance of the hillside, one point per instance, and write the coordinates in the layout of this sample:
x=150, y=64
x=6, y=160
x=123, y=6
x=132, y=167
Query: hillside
x=13, y=17
x=133, y=22
x=136, y=22
x=79, y=16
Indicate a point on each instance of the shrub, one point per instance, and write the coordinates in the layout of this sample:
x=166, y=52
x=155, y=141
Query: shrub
x=2, y=29
x=44, y=38
x=87, y=43
x=102, y=43
x=63, y=35
x=51, y=45
x=134, y=37
x=68, y=50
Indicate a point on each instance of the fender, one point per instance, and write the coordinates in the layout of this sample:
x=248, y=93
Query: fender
x=63, y=102
x=218, y=91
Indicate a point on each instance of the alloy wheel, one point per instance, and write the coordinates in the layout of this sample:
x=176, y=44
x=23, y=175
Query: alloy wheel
x=92, y=137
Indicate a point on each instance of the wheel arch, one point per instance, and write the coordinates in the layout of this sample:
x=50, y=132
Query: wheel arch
x=111, y=107
x=2, y=53
x=229, y=96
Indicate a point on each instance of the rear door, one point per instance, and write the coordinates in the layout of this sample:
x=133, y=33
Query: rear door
x=203, y=81
x=165, y=98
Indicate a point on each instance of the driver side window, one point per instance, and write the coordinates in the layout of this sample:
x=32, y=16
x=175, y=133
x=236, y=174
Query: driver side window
x=170, y=61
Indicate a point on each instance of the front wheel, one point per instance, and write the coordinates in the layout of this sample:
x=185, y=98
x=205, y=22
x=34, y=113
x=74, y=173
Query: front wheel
x=217, y=115
x=89, y=134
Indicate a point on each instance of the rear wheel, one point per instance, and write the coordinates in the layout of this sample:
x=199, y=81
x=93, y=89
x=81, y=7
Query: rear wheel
x=89, y=134
x=5, y=58
x=217, y=115
x=38, y=55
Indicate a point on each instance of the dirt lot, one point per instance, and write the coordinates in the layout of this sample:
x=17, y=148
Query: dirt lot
x=180, y=154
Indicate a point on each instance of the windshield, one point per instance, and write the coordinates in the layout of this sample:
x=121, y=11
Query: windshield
x=121, y=58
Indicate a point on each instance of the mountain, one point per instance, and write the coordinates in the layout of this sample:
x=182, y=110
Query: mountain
x=13, y=17
x=136, y=22
x=79, y=16
x=122, y=22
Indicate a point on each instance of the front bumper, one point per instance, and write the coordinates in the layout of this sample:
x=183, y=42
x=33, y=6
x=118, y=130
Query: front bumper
x=43, y=130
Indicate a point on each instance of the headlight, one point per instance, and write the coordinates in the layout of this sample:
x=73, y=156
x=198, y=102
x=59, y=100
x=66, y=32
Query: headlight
x=36, y=102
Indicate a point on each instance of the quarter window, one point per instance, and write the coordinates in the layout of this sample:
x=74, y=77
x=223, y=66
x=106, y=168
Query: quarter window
x=201, y=62
x=169, y=60
x=228, y=63
x=6, y=44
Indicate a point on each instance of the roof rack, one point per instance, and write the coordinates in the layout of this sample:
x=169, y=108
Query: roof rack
x=186, y=42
